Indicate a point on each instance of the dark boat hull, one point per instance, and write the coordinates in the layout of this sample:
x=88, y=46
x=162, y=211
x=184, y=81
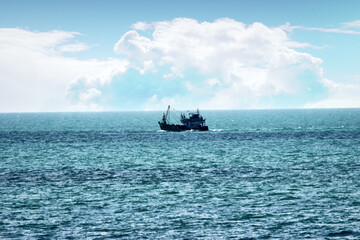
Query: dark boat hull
x=204, y=128
x=179, y=128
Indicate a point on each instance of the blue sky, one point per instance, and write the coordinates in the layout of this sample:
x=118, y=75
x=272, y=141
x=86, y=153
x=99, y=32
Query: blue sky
x=144, y=55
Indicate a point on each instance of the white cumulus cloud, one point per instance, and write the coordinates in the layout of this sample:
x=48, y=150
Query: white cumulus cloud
x=142, y=26
x=77, y=47
x=340, y=95
x=36, y=77
x=224, y=64
x=251, y=61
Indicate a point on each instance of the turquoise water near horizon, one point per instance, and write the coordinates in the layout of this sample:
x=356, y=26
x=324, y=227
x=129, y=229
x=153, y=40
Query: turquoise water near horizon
x=257, y=174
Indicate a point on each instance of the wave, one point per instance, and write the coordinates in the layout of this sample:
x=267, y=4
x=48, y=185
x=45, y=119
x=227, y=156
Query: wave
x=216, y=130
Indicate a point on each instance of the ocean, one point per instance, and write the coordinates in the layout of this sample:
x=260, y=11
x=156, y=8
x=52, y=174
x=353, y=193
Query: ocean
x=257, y=174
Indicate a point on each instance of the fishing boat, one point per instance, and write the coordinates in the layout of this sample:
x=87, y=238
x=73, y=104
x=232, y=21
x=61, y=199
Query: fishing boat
x=194, y=122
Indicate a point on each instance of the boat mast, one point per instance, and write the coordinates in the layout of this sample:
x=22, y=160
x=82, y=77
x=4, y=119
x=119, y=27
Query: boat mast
x=167, y=114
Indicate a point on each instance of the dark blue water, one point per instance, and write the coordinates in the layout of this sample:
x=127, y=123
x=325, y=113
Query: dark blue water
x=283, y=174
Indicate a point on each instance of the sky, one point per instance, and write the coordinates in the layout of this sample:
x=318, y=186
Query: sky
x=85, y=55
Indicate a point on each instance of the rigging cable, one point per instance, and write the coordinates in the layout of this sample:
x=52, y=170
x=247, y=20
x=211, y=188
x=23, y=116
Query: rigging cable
x=176, y=120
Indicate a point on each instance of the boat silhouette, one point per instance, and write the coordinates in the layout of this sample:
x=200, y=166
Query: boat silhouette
x=194, y=122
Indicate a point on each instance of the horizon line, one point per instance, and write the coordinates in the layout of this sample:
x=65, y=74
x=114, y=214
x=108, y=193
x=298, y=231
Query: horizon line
x=113, y=111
